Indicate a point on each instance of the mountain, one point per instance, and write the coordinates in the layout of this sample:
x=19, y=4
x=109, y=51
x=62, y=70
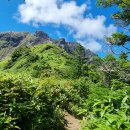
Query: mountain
x=43, y=60
x=42, y=80
x=11, y=40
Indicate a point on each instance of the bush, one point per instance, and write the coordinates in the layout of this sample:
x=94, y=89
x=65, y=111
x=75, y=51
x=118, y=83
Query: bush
x=16, y=55
x=22, y=106
x=110, y=113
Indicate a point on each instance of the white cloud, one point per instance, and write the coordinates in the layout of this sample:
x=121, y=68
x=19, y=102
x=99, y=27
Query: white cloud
x=50, y=11
x=91, y=44
x=58, y=33
x=68, y=13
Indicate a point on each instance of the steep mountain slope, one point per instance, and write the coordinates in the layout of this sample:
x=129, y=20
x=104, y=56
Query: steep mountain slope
x=43, y=60
x=39, y=83
x=11, y=40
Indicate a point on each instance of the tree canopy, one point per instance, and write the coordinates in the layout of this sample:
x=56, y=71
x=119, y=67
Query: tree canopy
x=122, y=19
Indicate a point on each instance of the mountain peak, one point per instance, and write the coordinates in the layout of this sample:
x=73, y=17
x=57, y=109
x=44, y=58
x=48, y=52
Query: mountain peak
x=41, y=34
x=10, y=40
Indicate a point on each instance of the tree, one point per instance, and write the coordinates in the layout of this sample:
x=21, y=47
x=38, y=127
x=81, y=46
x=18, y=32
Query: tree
x=122, y=19
x=110, y=69
x=115, y=69
x=81, y=60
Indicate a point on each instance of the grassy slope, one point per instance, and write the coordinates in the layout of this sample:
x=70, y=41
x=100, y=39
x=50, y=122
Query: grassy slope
x=51, y=70
x=43, y=60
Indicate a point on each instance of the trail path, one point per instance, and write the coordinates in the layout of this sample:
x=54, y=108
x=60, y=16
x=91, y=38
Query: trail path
x=72, y=122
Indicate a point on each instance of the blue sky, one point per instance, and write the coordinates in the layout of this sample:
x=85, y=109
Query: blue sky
x=75, y=20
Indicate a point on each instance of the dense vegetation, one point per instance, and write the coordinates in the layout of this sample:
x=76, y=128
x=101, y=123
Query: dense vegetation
x=38, y=84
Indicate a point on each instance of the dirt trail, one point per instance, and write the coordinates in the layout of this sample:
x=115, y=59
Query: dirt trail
x=72, y=122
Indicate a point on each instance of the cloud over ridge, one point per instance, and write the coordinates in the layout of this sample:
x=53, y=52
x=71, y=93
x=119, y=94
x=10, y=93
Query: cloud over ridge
x=68, y=13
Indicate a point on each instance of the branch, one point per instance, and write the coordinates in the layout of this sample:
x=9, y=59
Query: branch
x=126, y=48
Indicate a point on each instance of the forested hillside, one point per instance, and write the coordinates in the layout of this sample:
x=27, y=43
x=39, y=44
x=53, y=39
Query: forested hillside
x=38, y=84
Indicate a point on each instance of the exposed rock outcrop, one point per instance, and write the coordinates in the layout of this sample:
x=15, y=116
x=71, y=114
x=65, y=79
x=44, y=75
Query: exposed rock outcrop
x=11, y=40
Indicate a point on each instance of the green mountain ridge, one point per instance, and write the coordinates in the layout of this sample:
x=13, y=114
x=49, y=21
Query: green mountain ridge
x=39, y=83
x=9, y=41
x=45, y=59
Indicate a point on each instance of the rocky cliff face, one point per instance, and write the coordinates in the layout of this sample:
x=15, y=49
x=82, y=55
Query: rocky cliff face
x=11, y=40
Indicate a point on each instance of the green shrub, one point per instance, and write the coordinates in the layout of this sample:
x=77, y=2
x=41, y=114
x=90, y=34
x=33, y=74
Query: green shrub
x=110, y=113
x=25, y=106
